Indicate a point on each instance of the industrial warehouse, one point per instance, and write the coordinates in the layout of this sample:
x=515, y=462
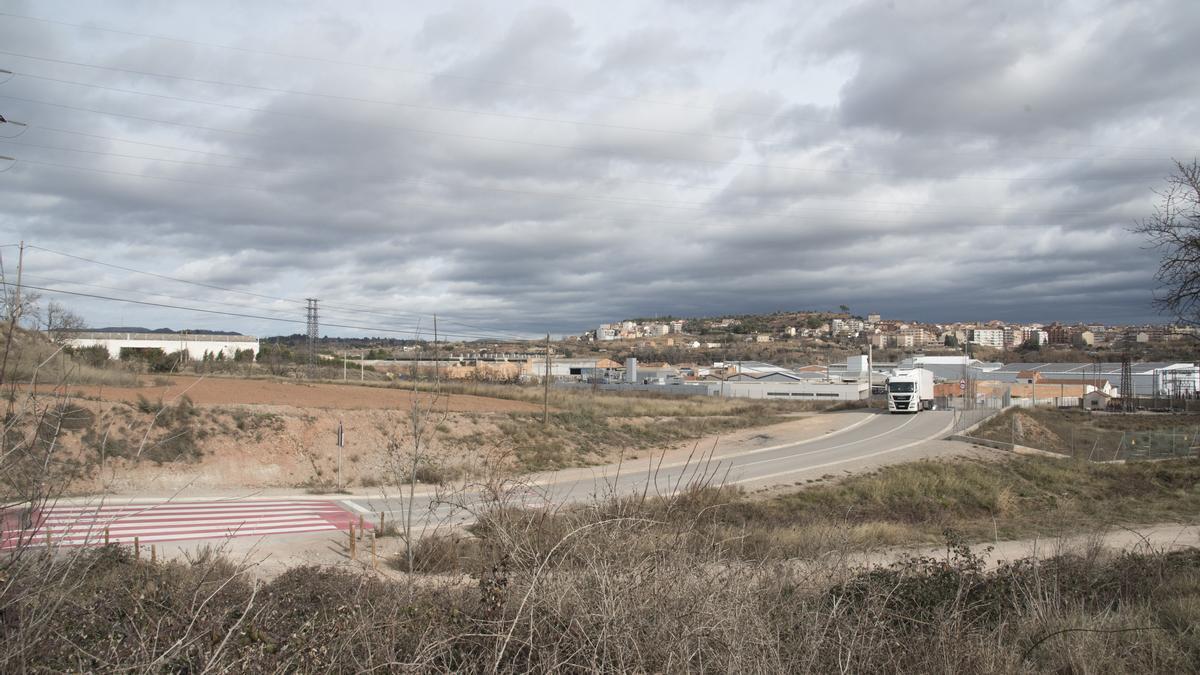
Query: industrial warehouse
x=855, y=379
x=125, y=344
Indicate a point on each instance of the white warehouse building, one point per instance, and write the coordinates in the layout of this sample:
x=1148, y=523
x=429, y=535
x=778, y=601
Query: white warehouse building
x=196, y=346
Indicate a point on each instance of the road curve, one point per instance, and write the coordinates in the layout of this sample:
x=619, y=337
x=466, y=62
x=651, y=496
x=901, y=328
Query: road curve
x=878, y=439
x=749, y=461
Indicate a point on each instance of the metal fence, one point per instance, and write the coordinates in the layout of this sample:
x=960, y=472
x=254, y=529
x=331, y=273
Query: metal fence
x=1163, y=444
x=969, y=411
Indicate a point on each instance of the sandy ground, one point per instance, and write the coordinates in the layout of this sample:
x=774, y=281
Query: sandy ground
x=227, y=391
x=1134, y=538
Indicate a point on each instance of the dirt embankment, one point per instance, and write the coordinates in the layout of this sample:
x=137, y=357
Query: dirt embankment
x=228, y=391
x=223, y=433
x=115, y=447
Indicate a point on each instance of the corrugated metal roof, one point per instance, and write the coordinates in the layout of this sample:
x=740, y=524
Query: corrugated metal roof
x=1105, y=368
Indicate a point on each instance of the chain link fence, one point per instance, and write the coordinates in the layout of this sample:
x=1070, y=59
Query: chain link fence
x=1161, y=444
x=970, y=411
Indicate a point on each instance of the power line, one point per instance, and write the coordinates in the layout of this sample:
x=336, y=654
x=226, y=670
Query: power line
x=124, y=156
x=617, y=200
x=701, y=188
x=161, y=276
x=127, y=174
x=156, y=294
x=316, y=59
x=488, y=113
x=454, y=134
x=292, y=301
x=431, y=74
x=359, y=99
x=410, y=315
x=152, y=294
x=140, y=118
x=693, y=206
x=793, y=215
x=241, y=315
x=507, y=190
x=144, y=143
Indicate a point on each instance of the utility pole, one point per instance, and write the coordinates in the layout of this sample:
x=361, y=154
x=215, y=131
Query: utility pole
x=870, y=375
x=546, y=386
x=436, y=378
x=963, y=389
x=341, y=443
x=313, y=332
x=14, y=313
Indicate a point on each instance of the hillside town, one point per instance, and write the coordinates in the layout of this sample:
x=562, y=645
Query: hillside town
x=880, y=333
x=816, y=357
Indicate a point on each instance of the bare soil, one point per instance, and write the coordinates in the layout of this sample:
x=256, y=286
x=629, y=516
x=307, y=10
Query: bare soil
x=227, y=391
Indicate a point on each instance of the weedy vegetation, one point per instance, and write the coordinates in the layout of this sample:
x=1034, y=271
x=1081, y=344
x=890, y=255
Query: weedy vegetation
x=700, y=579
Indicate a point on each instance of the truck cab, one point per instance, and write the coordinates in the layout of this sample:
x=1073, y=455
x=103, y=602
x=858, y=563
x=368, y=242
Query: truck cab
x=910, y=391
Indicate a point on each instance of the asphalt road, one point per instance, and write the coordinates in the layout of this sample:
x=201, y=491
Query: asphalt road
x=875, y=440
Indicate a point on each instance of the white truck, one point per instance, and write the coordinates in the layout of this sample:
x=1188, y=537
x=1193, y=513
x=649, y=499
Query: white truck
x=910, y=390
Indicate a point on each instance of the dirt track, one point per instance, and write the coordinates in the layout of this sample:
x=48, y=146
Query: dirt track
x=226, y=391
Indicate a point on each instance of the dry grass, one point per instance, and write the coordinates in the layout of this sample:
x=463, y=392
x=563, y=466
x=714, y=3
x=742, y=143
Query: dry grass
x=606, y=606
x=586, y=427
x=691, y=582
x=1099, y=436
x=1013, y=498
x=33, y=359
x=916, y=503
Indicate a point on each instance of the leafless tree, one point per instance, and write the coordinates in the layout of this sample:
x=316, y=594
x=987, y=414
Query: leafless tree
x=58, y=322
x=410, y=445
x=1174, y=229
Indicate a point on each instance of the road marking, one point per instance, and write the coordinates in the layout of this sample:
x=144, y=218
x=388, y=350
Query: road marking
x=168, y=512
x=229, y=526
x=356, y=507
x=75, y=525
x=214, y=534
x=814, y=467
x=602, y=472
x=835, y=447
x=113, y=523
x=756, y=451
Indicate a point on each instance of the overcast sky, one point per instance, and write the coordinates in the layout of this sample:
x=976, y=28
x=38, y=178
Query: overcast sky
x=533, y=167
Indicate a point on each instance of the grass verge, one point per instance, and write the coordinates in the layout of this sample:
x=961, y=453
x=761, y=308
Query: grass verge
x=1099, y=436
x=664, y=610
x=915, y=503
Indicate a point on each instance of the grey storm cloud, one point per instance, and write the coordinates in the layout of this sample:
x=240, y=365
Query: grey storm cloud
x=534, y=167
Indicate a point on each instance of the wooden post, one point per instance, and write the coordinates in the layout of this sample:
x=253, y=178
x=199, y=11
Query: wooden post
x=353, y=552
x=47, y=539
x=374, y=560
x=546, y=386
x=361, y=525
x=153, y=555
x=382, y=520
x=137, y=550
x=106, y=536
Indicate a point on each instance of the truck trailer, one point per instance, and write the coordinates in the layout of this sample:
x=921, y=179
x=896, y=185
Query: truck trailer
x=910, y=391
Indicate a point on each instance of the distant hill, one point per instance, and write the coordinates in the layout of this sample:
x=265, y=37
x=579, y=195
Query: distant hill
x=139, y=329
x=772, y=322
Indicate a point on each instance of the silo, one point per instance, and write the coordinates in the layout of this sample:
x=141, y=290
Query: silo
x=631, y=374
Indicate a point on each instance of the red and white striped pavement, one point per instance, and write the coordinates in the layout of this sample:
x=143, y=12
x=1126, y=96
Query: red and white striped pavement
x=82, y=525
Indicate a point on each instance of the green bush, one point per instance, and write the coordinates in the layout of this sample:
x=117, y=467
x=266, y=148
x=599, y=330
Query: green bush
x=95, y=356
